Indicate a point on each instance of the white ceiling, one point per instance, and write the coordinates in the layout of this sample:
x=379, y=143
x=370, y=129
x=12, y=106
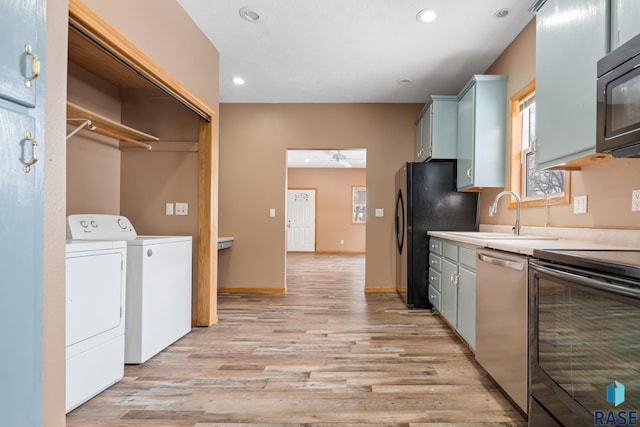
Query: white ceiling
x=353, y=50
x=327, y=159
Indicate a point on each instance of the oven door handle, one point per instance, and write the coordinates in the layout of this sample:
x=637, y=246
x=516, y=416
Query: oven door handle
x=573, y=279
x=500, y=262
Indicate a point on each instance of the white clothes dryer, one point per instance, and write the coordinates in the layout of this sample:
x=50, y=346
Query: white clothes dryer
x=95, y=318
x=158, y=309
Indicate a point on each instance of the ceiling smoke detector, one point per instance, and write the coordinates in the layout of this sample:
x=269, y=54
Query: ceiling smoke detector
x=249, y=14
x=502, y=13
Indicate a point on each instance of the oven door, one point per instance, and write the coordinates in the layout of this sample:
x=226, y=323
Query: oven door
x=584, y=332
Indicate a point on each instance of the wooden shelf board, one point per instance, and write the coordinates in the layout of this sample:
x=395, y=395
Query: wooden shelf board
x=76, y=112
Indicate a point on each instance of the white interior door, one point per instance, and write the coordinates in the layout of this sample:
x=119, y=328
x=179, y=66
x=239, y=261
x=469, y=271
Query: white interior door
x=301, y=220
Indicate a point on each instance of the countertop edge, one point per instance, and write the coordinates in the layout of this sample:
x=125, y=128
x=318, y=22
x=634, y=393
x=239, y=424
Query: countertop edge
x=523, y=247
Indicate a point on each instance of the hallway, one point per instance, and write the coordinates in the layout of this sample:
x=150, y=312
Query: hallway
x=323, y=353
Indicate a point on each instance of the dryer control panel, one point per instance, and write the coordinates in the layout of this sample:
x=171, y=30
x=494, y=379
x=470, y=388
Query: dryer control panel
x=99, y=227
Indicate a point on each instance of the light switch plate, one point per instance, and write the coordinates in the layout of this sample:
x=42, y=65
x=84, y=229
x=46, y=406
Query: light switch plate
x=272, y=213
x=635, y=200
x=168, y=209
x=182, y=208
x=580, y=205
x=379, y=213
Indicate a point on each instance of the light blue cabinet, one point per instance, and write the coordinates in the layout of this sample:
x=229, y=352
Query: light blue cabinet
x=571, y=36
x=435, y=273
x=18, y=29
x=21, y=220
x=625, y=21
x=449, y=294
x=467, y=295
x=452, y=285
x=438, y=129
x=481, y=139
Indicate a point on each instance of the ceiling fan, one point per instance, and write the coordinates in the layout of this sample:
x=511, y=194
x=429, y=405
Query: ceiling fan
x=340, y=158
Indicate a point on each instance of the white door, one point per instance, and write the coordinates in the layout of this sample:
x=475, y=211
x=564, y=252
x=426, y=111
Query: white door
x=301, y=220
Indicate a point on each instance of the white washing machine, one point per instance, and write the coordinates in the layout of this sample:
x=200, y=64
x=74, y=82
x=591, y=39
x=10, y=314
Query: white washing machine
x=158, y=308
x=95, y=324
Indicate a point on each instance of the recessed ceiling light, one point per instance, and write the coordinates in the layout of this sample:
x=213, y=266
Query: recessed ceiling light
x=404, y=82
x=249, y=14
x=426, y=15
x=238, y=81
x=502, y=13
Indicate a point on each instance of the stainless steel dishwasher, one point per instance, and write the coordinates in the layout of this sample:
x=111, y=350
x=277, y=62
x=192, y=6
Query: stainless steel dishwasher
x=501, y=321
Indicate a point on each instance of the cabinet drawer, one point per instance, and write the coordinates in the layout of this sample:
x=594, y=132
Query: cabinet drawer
x=450, y=251
x=435, y=262
x=434, y=298
x=435, y=246
x=468, y=257
x=435, y=279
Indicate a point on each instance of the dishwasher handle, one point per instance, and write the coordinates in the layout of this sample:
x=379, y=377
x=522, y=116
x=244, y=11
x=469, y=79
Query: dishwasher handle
x=501, y=262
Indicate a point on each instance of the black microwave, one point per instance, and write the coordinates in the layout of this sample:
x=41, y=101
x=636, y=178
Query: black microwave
x=618, y=109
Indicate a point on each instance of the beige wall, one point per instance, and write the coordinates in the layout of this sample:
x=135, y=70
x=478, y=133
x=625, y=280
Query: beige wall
x=254, y=139
x=607, y=185
x=53, y=315
x=93, y=161
x=333, y=206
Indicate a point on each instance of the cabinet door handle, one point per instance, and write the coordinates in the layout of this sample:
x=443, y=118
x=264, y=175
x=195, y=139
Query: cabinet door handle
x=34, y=153
x=469, y=173
x=35, y=65
x=454, y=279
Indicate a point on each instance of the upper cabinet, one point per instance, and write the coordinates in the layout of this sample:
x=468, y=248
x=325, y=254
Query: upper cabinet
x=19, y=61
x=571, y=36
x=625, y=16
x=482, y=121
x=436, y=129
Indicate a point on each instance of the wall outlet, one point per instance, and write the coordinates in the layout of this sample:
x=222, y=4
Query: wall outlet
x=182, y=208
x=379, y=213
x=342, y=242
x=580, y=205
x=635, y=200
x=272, y=213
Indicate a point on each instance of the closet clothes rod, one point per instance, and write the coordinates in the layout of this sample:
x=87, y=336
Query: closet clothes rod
x=121, y=137
x=88, y=124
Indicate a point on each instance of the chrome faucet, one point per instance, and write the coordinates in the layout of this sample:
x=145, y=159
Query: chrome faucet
x=494, y=208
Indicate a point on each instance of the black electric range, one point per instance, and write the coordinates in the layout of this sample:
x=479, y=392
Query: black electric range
x=623, y=263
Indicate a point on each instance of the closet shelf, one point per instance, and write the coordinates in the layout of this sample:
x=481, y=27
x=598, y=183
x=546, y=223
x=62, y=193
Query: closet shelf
x=107, y=127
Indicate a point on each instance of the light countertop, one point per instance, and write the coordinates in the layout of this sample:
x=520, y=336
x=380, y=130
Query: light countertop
x=522, y=246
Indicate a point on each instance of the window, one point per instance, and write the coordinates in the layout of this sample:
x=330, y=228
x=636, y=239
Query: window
x=359, y=205
x=535, y=187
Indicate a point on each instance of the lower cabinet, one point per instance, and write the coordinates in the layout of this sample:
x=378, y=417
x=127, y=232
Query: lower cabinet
x=452, y=287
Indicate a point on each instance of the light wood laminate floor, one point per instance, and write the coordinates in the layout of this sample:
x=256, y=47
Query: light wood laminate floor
x=324, y=353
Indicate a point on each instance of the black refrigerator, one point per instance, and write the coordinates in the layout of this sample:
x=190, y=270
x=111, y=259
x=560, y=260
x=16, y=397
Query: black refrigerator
x=426, y=200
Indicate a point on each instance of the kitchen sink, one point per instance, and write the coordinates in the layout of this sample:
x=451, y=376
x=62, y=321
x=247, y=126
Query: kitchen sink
x=501, y=236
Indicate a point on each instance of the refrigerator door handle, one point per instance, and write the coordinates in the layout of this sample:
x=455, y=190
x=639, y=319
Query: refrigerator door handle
x=400, y=214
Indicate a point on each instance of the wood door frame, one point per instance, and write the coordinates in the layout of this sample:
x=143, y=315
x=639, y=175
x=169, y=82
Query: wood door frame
x=315, y=214
x=117, y=48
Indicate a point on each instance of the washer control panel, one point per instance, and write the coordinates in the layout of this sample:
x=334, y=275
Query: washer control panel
x=99, y=227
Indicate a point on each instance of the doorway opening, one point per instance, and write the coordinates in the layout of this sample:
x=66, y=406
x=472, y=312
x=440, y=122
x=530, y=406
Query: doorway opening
x=326, y=211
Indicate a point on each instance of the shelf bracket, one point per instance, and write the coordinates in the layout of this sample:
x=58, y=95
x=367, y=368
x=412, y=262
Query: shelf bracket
x=85, y=123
